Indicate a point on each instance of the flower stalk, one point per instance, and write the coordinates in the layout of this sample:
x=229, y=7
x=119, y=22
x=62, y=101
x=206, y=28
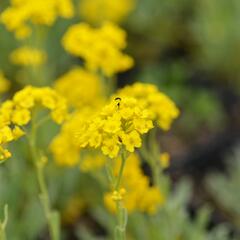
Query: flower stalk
x=151, y=153
x=121, y=211
x=120, y=229
x=52, y=216
x=3, y=224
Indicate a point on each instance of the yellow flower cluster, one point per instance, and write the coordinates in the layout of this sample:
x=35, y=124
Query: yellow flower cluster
x=4, y=83
x=17, y=112
x=80, y=87
x=99, y=11
x=27, y=98
x=119, y=124
x=164, y=160
x=162, y=109
x=92, y=162
x=22, y=12
x=99, y=47
x=28, y=56
x=7, y=135
x=65, y=150
x=138, y=194
x=84, y=92
x=118, y=195
x=63, y=147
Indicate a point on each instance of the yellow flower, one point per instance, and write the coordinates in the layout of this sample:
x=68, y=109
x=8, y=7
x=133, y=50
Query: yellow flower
x=99, y=11
x=95, y=140
x=65, y=8
x=113, y=131
x=85, y=97
x=4, y=83
x=5, y=113
x=118, y=195
x=164, y=160
x=137, y=194
x=17, y=132
x=59, y=114
x=160, y=107
x=5, y=135
x=23, y=32
x=20, y=15
x=87, y=90
x=112, y=124
x=151, y=201
x=4, y=154
x=17, y=112
x=92, y=162
x=47, y=97
x=21, y=116
x=131, y=140
x=24, y=98
x=27, y=56
x=49, y=102
x=64, y=146
x=64, y=151
x=99, y=47
x=110, y=148
x=142, y=126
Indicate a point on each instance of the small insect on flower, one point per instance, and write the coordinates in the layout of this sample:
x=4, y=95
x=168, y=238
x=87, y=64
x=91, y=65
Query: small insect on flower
x=161, y=108
x=118, y=100
x=114, y=127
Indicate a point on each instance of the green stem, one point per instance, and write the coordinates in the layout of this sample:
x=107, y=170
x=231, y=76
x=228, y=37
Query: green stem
x=151, y=153
x=2, y=233
x=109, y=171
x=119, y=178
x=51, y=216
x=120, y=230
x=42, y=121
x=155, y=157
x=4, y=224
x=153, y=143
x=108, y=82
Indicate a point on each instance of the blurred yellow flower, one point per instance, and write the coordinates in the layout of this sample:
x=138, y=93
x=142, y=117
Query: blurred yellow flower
x=65, y=150
x=92, y=162
x=164, y=160
x=21, y=116
x=22, y=12
x=99, y=47
x=4, y=83
x=47, y=97
x=118, y=195
x=16, y=113
x=17, y=132
x=23, y=32
x=64, y=147
x=99, y=11
x=4, y=153
x=136, y=192
x=27, y=56
x=85, y=94
x=81, y=88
